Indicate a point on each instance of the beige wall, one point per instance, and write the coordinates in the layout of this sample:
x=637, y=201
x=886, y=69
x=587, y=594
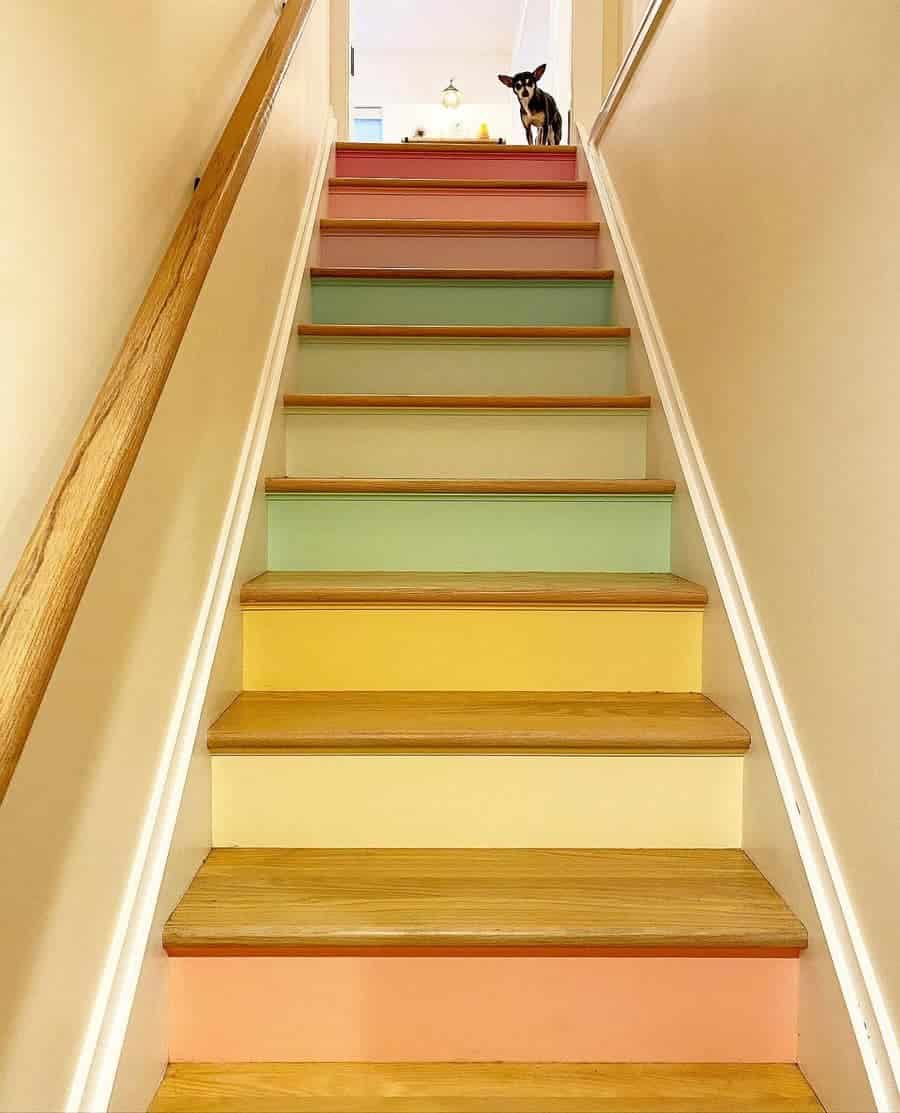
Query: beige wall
x=759, y=185
x=70, y=825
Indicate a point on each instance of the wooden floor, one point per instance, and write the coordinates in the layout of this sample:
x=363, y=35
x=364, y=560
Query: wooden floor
x=480, y=722
x=582, y=588
x=483, y=1088
x=270, y=902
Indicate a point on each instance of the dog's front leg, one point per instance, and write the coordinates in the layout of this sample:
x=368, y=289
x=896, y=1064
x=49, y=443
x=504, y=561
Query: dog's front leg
x=528, y=134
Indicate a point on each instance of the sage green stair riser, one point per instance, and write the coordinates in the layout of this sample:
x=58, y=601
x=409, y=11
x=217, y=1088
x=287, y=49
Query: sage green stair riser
x=450, y=366
x=575, y=533
x=460, y=302
x=445, y=443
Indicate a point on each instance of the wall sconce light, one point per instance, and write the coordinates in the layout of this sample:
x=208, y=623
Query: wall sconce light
x=451, y=96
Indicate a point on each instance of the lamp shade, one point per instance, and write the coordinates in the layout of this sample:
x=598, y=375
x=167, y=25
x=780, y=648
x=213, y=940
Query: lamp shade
x=451, y=96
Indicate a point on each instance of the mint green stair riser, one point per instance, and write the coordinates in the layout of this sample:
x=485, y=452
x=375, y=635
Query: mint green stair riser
x=612, y=533
x=392, y=301
x=367, y=365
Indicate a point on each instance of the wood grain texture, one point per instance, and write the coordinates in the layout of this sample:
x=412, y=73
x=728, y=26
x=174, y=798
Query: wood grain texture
x=339, y=485
x=484, y=1088
x=370, y=184
x=471, y=401
x=462, y=148
x=611, y=589
x=470, y=332
x=475, y=722
x=40, y=601
x=271, y=902
x=341, y=226
x=448, y=274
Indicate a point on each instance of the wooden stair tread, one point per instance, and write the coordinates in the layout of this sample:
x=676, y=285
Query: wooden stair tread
x=449, y=145
x=425, y=225
x=471, y=401
x=296, y=901
x=344, y=485
x=450, y=273
x=554, y=184
x=470, y=332
x=578, y=588
x=486, y=722
x=484, y=1088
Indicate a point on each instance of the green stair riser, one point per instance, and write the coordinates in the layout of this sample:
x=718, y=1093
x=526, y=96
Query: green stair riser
x=391, y=301
x=369, y=532
x=390, y=365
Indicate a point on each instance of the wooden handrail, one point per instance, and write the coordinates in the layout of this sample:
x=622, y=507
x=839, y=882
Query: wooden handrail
x=42, y=597
x=642, y=36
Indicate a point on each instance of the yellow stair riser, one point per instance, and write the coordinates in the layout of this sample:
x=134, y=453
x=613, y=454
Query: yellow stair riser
x=476, y=800
x=474, y=648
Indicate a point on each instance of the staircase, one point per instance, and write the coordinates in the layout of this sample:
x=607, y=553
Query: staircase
x=477, y=834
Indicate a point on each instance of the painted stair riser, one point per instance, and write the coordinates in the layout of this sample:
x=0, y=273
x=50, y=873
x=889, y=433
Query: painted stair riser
x=469, y=533
x=372, y=301
x=514, y=1009
x=476, y=800
x=364, y=248
x=508, y=165
x=416, y=203
x=450, y=366
x=491, y=444
x=471, y=648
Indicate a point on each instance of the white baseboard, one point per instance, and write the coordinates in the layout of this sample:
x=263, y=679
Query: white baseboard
x=856, y=975
x=101, y=1048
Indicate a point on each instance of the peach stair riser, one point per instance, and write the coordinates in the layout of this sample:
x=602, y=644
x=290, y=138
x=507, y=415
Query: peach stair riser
x=543, y=1009
x=373, y=243
x=452, y=161
x=428, y=200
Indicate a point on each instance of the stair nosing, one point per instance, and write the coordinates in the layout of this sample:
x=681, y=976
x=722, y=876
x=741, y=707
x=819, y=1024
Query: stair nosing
x=417, y=227
x=468, y=332
x=524, y=887
x=556, y=185
x=469, y=401
x=456, y=147
x=428, y=486
x=464, y=273
x=508, y=733
x=580, y=589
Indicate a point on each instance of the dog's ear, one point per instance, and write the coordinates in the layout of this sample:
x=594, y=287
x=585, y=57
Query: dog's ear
x=505, y=79
x=539, y=72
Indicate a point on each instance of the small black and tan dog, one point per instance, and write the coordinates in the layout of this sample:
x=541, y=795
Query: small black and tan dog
x=536, y=108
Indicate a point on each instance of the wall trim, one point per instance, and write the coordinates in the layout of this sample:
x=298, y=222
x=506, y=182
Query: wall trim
x=856, y=974
x=635, y=52
x=94, y=1077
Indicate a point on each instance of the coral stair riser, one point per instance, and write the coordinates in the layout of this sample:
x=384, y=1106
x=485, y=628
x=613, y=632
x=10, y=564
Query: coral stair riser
x=545, y=245
x=453, y=161
x=433, y=200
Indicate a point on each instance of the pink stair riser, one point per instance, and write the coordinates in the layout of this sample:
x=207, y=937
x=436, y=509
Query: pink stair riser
x=402, y=1009
x=459, y=204
x=483, y=162
x=486, y=250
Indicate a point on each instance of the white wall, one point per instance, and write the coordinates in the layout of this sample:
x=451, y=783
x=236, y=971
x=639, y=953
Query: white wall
x=70, y=826
x=408, y=83
x=756, y=161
